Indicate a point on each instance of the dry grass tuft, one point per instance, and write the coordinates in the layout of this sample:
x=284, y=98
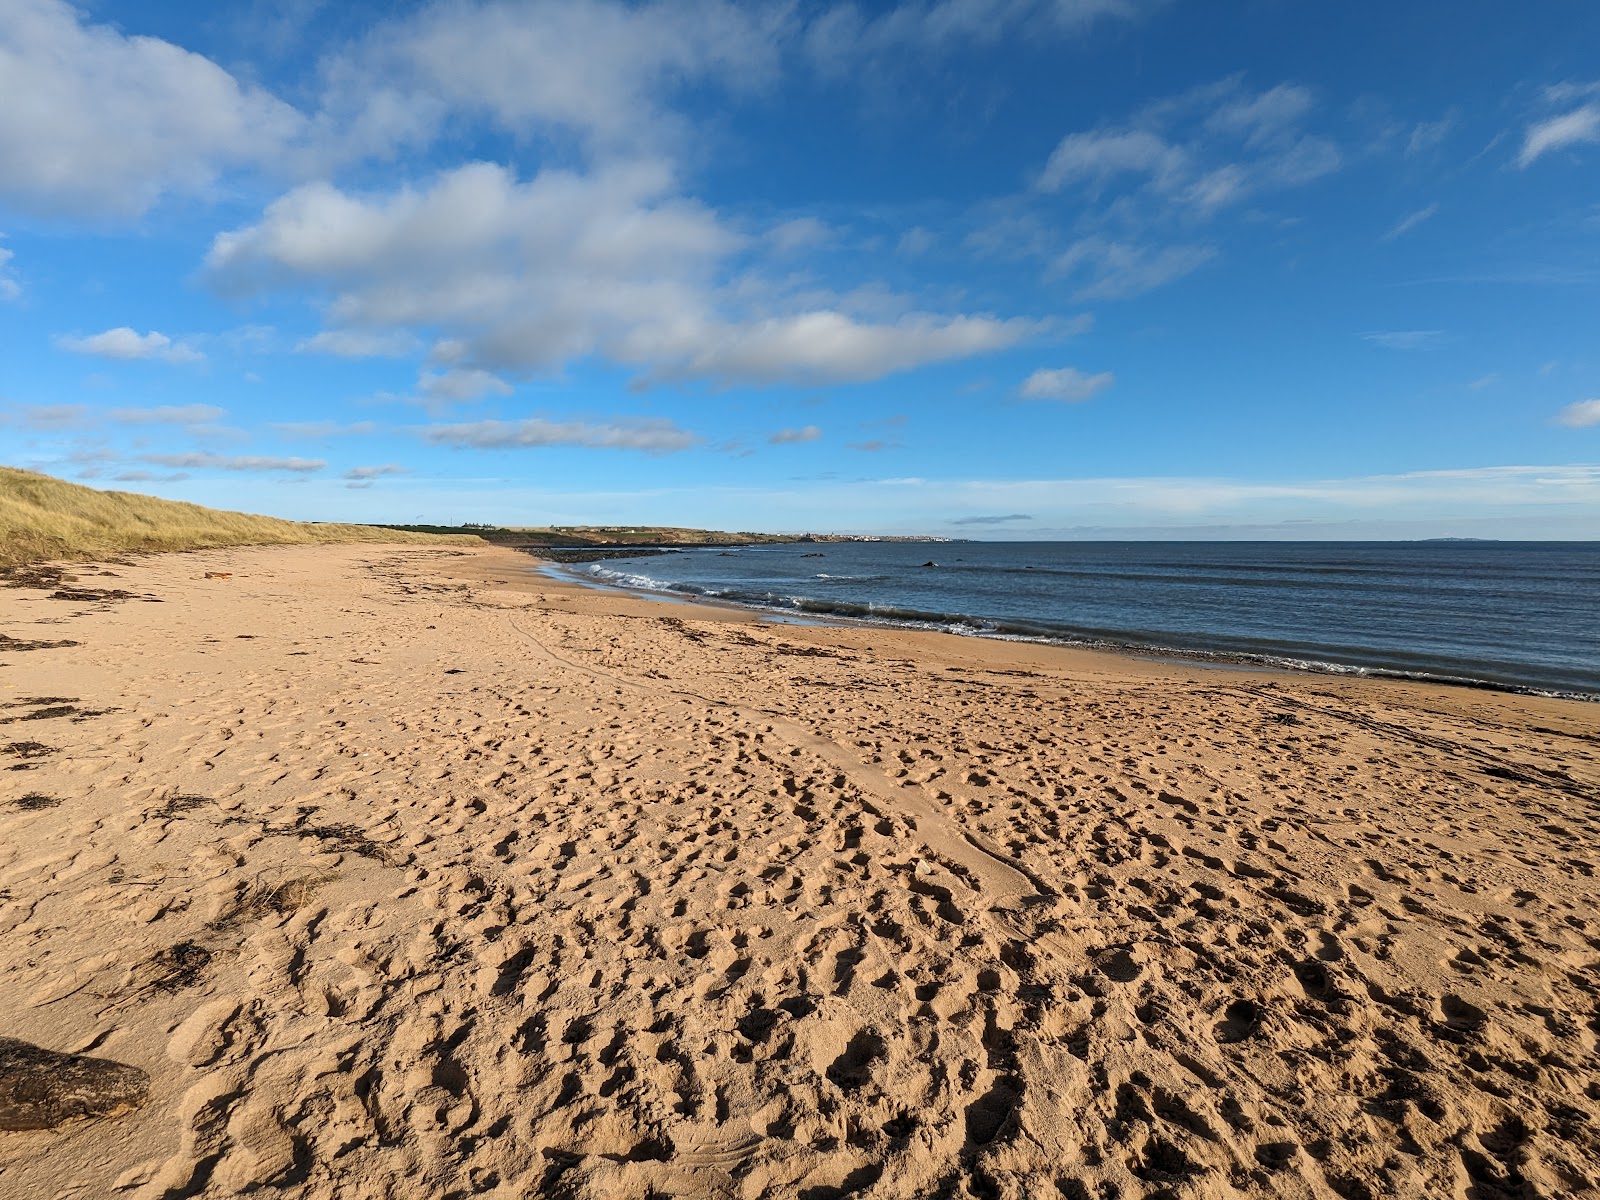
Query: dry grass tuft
x=43, y=519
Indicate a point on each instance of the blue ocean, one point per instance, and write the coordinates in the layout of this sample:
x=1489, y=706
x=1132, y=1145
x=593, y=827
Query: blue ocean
x=1519, y=615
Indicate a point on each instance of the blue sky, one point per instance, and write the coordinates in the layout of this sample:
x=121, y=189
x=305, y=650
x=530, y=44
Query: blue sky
x=997, y=268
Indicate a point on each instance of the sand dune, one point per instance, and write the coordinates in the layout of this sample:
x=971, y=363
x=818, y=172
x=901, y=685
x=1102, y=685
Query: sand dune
x=406, y=873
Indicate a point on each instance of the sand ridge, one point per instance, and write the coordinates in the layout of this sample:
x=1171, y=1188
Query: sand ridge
x=405, y=872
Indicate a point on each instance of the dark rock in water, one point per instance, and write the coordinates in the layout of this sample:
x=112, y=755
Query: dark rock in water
x=43, y=1089
x=930, y=563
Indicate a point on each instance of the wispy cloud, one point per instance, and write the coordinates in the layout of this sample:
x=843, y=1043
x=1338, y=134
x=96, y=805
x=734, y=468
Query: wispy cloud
x=10, y=286
x=1404, y=339
x=355, y=343
x=1407, y=223
x=1006, y=519
x=128, y=345
x=169, y=414
x=47, y=416
x=323, y=429
x=784, y=437
x=1067, y=384
x=200, y=460
x=1580, y=415
x=377, y=472
x=654, y=435
x=1579, y=126
x=1115, y=270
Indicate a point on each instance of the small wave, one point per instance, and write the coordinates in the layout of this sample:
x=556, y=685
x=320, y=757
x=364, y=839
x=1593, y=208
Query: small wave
x=1022, y=631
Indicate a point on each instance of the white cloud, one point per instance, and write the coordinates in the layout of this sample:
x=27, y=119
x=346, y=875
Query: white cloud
x=1193, y=155
x=597, y=68
x=1097, y=157
x=1580, y=415
x=816, y=347
x=47, y=416
x=126, y=344
x=527, y=276
x=363, y=473
x=654, y=435
x=1260, y=118
x=10, y=287
x=785, y=437
x=96, y=123
x=1404, y=339
x=202, y=460
x=169, y=414
x=1067, y=384
x=1117, y=270
x=1580, y=126
x=460, y=385
x=1407, y=223
x=323, y=429
x=842, y=35
x=802, y=233
x=355, y=343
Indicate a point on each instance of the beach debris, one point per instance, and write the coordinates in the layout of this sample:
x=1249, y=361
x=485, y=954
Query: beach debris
x=930, y=563
x=219, y=574
x=33, y=577
x=44, y=1089
x=19, y=644
x=83, y=594
x=27, y=749
x=34, y=801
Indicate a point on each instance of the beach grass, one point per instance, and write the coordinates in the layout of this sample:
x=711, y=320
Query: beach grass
x=43, y=519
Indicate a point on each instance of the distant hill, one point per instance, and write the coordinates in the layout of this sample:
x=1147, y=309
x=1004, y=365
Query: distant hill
x=43, y=518
x=594, y=536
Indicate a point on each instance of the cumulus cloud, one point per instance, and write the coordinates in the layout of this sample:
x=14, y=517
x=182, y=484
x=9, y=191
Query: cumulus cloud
x=169, y=414
x=356, y=343
x=599, y=68
x=128, y=345
x=785, y=437
x=817, y=347
x=1580, y=415
x=1579, y=126
x=378, y=472
x=524, y=276
x=1067, y=384
x=96, y=123
x=201, y=460
x=654, y=435
x=1116, y=270
x=1404, y=339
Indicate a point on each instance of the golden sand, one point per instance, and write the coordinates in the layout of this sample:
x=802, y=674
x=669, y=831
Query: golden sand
x=405, y=872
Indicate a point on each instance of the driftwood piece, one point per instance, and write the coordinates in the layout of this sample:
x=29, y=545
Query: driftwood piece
x=44, y=1089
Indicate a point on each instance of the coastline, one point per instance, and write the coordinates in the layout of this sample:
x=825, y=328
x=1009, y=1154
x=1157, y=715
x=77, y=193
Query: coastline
x=962, y=626
x=490, y=882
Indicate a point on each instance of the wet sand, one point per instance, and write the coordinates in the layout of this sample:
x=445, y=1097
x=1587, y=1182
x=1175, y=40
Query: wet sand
x=411, y=873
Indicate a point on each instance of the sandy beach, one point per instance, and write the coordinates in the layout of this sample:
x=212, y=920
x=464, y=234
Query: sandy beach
x=401, y=872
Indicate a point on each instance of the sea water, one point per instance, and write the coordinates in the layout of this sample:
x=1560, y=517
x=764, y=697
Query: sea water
x=1520, y=615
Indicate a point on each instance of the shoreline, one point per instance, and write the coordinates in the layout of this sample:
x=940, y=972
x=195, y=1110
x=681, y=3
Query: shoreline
x=401, y=871
x=952, y=624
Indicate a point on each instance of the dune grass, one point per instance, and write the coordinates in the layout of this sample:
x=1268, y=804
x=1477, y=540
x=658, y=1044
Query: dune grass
x=44, y=519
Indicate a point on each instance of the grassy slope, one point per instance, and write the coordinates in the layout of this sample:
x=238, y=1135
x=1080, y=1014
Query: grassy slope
x=43, y=518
